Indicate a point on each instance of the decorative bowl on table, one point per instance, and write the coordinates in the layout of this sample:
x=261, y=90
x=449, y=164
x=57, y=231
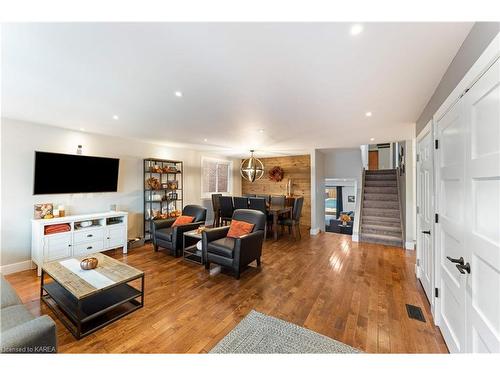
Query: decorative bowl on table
x=89, y=263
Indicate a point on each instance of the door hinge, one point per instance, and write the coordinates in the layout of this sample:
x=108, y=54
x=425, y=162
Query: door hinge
x=436, y=292
x=418, y=209
x=418, y=157
x=436, y=218
x=436, y=144
x=418, y=262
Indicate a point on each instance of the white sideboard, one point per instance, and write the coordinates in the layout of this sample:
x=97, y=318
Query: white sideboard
x=107, y=231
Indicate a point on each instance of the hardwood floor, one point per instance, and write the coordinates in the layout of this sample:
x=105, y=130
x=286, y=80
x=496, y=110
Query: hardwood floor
x=352, y=292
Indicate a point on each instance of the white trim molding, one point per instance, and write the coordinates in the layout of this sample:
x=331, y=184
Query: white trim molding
x=410, y=245
x=355, y=237
x=17, y=267
x=315, y=231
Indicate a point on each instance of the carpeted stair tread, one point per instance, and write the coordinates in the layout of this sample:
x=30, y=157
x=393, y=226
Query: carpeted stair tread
x=380, y=197
x=381, y=219
x=381, y=183
x=381, y=190
x=381, y=204
x=381, y=229
x=380, y=177
x=381, y=239
x=381, y=171
x=383, y=212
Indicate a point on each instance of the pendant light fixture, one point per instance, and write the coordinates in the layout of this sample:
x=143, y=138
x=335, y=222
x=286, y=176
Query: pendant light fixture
x=252, y=168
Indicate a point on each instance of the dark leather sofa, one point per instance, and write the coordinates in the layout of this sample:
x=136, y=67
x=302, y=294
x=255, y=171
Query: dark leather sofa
x=166, y=236
x=235, y=253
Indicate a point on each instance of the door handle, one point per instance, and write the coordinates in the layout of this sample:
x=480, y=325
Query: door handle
x=426, y=232
x=465, y=267
x=459, y=260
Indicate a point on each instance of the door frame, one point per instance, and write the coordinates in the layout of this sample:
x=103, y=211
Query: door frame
x=434, y=302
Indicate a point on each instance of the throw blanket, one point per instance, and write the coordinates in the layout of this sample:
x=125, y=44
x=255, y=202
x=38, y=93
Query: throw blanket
x=57, y=228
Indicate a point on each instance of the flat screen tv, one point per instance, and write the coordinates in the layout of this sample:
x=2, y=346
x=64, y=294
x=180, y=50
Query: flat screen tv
x=65, y=174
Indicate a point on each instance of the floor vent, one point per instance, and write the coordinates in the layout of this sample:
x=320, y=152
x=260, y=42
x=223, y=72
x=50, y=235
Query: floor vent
x=415, y=312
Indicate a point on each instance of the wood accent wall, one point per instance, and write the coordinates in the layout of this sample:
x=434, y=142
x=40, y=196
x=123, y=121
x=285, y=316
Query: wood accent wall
x=298, y=168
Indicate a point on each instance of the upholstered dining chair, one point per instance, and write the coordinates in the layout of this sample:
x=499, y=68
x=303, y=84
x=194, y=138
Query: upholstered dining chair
x=235, y=253
x=240, y=203
x=259, y=204
x=226, y=209
x=166, y=235
x=293, y=222
x=278, y=200
x=216, y=209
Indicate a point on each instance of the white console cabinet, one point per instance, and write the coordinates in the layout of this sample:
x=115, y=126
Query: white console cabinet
x=106, y=231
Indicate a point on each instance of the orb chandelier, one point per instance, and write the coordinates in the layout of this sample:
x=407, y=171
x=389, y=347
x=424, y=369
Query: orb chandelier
x=252, y=168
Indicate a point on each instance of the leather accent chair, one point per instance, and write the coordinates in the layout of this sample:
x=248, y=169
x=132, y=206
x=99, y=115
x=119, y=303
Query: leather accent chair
x=216, y=209
x=166, y=236
x=235, y=253
x=293, y=223
x=226, y=209
x=240, y=203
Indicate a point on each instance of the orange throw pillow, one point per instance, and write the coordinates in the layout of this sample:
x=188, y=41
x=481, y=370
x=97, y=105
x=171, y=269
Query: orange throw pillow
x=239, y=228
x=183, y=220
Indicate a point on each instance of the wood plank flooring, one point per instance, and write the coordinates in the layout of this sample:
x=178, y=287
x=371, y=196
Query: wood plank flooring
x=352, y=292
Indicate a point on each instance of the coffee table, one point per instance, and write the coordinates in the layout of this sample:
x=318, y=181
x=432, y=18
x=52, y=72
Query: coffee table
x=86, y=301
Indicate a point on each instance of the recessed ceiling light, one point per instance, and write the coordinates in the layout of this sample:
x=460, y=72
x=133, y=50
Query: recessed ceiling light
x=368, y=114
x=205, y=140
x=356, y=29
x=82, y=129
x=261, y=130
x=372, y=139
x=178, y=94
x=115, y=117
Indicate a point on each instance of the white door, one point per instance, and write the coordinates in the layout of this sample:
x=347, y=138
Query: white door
x=482, y=242
x=425, y=217
x=450, y=163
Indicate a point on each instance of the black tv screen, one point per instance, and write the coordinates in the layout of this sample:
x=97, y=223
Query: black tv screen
x=64, y=174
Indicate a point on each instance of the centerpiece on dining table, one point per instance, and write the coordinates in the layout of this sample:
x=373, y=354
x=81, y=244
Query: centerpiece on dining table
x=344, y=218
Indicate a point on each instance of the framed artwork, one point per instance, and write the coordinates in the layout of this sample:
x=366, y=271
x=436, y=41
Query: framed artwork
x=42, y=210
x=350, y=198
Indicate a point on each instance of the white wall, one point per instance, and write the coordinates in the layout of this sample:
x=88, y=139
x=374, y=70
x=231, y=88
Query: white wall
x=384, y=158
x=317, y=192
x=19, y=140
x=410, y=194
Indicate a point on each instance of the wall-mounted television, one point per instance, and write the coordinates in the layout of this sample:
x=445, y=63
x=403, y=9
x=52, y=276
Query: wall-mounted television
x=66, y=174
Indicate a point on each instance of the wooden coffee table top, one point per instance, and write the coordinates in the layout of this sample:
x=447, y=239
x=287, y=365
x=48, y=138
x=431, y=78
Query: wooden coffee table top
x=114, y=270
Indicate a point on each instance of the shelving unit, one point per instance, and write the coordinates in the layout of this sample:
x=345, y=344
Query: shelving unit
x=160, y=199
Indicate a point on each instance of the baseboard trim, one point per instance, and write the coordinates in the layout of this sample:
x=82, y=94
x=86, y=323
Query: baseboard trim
x=355, y=237
x=410, y=245
x=16, y=267
x=314, y=231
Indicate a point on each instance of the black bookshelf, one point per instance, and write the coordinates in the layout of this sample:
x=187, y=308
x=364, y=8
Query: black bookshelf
x=164, y=199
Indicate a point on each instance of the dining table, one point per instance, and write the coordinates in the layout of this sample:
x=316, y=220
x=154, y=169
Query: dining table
x=276, y=211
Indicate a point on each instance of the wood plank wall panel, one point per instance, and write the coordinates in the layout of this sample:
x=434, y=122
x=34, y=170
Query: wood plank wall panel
x=298, y=168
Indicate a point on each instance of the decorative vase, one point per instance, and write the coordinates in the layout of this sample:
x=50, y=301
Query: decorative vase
x=344, y=223
x=89, y=263
x=289, y=185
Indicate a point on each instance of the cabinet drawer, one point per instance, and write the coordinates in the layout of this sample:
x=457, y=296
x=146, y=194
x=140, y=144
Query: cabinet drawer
x=57, y=246
x=87, y=248
x=116, y=236
x=90, y=235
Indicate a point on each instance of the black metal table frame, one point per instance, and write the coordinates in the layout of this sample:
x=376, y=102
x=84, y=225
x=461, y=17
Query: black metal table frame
x=185, y=249
x=65, y=319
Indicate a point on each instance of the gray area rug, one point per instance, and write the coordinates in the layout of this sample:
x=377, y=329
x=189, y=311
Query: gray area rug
x=261, y=334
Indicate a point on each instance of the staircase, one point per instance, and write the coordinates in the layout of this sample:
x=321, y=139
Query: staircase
x=381, y=220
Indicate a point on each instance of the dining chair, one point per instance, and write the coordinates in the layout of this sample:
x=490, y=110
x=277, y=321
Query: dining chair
x=293, y=222
x=240, y=203
x=216, y=209
x=226, y=209
x=259, y=204
x=267, y=198
x=278, y=200
x=249, y=195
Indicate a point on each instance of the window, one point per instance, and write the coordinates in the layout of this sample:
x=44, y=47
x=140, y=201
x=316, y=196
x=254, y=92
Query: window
x=215, y=176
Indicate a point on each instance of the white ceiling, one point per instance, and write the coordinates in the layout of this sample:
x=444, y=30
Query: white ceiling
x=307, y=85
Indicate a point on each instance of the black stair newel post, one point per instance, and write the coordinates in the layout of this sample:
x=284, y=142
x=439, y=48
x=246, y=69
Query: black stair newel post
x=339, y=204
